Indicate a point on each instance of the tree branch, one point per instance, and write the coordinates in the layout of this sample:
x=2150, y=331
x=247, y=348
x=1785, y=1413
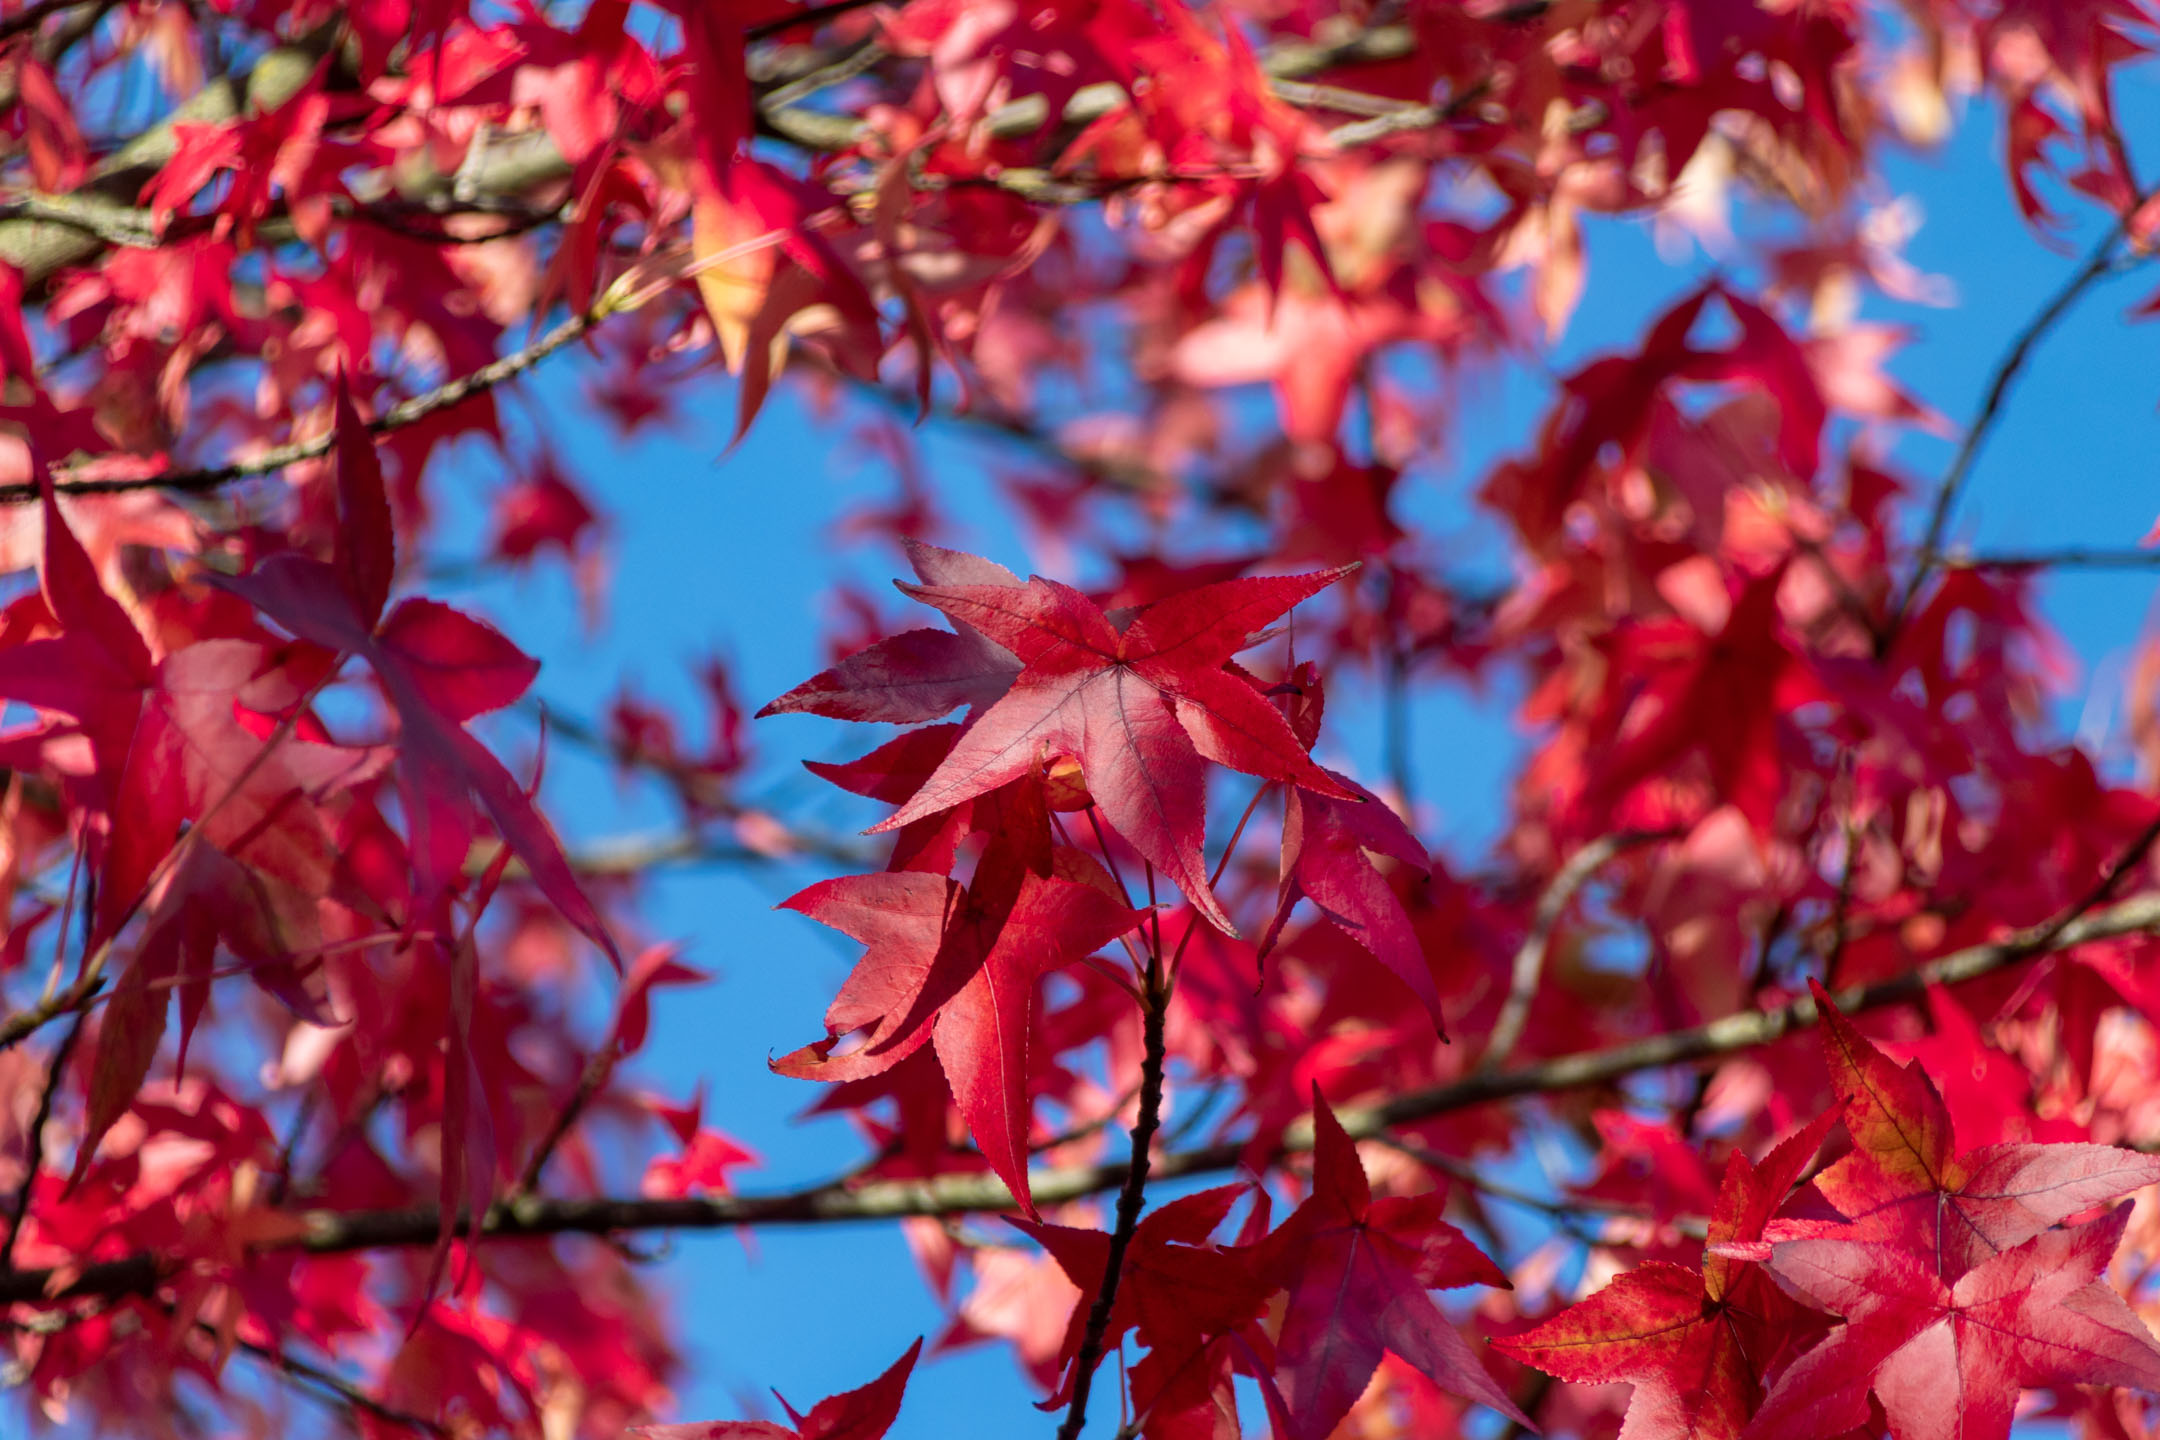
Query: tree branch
x=43, y=234
x=2070, y=557
x=1131, y=1197
x=40, y=246
x=337, y=1232
x=1530, y=956
x=406, y=412
x=2097, y=265
x=34, y=1140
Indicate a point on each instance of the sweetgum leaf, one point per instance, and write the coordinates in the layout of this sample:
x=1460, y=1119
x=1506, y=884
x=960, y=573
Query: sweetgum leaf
x=1138, y=709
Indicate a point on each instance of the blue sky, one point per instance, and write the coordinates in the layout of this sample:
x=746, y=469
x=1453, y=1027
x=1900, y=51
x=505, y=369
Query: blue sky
x=734, y=554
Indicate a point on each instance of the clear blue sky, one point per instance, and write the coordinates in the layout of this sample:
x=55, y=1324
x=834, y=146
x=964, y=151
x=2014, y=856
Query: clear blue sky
x=735, y=554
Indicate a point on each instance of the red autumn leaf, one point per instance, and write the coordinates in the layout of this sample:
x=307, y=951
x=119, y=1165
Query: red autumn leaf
x=439, y=667
x=865, y=1413
x=542, y=511
x=1138, y=707
x=1178, y=1294
x=1357, y=1270
x=1947, y=1356
x=944, y=966
x=707, y=1155
x=1906, y=1185
x=1683, y=1337
x=918, y=674
x=1668, y=676
x=1328, y=848
x=166, y=746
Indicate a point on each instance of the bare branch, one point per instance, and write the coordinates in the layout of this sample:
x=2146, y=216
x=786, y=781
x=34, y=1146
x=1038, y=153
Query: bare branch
x=2070, y=557
x=1131, y=1196
x=1530, y=956
x=328, y=1232
x=2098, y=264
x=39, y=246
x=34, y=1140
x=1566, y=1210
x=324, y=1385
x=408, y=412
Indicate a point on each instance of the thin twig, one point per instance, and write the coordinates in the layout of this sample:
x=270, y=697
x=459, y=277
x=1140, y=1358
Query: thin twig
x=339, y=1232
x=1131, y=1197
x=1564, y=1210
x=2097, y=265
x=1529, y=964
x=2071, y=557
x=328, y=1385
x=34, y=1148
x=406, y=412
x=590, y=1079
x=632, y=855
x=1841, y=906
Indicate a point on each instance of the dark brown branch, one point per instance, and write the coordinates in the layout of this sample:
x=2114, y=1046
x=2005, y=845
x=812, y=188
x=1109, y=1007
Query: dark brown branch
x=406, y=412
x=34, y=1140
x=2070, y=557
x=2098, y=264
x=1131, y=1197
x=328, y=1232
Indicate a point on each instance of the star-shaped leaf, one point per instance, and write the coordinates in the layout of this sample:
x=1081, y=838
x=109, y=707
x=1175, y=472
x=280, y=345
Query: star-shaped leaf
x=1357, y=1270
x=959, y=969
x=1906, y=1185
x=1682, y=1336
x=1139, y=706
x=1947, y=1358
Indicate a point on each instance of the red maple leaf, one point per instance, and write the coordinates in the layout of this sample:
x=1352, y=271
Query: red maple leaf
x=1905, y=1185
x=1138, y=705
x=1357, y=1270
x=958, y=968
x=918, y=674
x=1684, y=1337
x=1327, y=857
x=1947, y=1356
x=1181, y=1295
x=865, y=1413
x=166, y=747
x=439, y=668
x=1676, y=691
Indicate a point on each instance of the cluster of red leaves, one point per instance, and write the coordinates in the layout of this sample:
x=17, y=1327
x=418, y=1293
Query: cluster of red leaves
x=245, y=775
x=1955, y=1275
